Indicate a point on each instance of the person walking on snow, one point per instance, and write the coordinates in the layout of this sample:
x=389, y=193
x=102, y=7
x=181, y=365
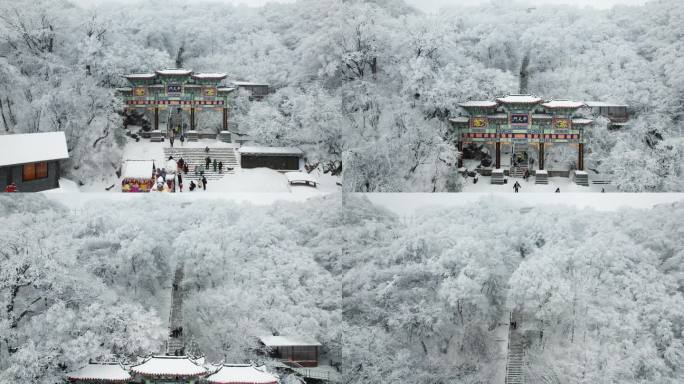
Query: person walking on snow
x=204, y=182
x=192, y=185
x=182, y=139
x=171, y=141
x=557, y=190
x=185, y=168
x=516, y=186
x=207, y=161
x=220, y=165
x=180, y=182
x=215, y=165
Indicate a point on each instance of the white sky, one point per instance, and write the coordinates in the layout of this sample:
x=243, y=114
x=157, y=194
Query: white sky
x=425, y=5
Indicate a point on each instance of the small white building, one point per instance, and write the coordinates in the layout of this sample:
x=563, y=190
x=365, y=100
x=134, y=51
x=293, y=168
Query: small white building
x=31, y=160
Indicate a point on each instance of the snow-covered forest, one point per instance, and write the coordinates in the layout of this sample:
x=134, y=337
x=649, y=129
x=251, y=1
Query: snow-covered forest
x=94, y=282
x=372, y=81
x=601, y=293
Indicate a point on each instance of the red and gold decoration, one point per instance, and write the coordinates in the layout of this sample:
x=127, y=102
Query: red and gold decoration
x=562, y=123
x=478, y=122
x=210, y=92
x=139, y=91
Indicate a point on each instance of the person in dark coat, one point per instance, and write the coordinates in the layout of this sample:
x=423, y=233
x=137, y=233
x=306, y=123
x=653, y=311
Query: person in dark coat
x=185, y=168
x=171, y=141
x=204, y=182
x=180, y=163
x=180, y=182
x=192, y=185
x=557, y=190
x=206, y=149
x=182, y=139
x=207, y=162
x=220, y=165
x=215, y=165
x=516, y=186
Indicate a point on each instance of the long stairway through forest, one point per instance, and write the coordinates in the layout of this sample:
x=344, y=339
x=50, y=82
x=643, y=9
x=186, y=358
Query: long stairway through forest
x=176, y=342
x=196, y=156
x=516, y=354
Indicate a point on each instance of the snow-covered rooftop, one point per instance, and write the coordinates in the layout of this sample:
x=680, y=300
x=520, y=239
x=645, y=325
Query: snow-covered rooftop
x=209, y=75
x=539, y=116
x=138, y=169
x=247, y=83
x=242, y=374
x=582, y=121
x=478, y=103
x=169, y=366
x=459, y=119
x=32, y=147
x=141, y=76
x=270, y=150
x=519, y=99
x=288, y=341
x=563, y=104
x=597, y=104
x=226, y=89
x=174, y=72
x=300, y=177
x=113, y=373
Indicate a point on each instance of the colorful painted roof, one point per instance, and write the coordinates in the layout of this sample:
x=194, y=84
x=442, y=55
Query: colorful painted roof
x=169, y=366
x=242, y=374
x=103, y=372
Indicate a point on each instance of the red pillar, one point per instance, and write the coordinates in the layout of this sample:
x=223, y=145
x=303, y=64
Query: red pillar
x=192, y=118
x=498, y=155
x=580, y=159
x=541, y=156
x=225, y=119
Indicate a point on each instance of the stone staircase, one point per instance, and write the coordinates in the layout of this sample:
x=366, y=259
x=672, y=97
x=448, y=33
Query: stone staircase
x=519, y=171
x=497, y=176
x=516, y=354
x=176, y=342
x=541, y=177
x=196, y=156
x=581, y=178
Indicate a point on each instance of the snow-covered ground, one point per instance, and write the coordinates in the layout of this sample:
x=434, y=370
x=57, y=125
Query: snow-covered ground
x=410, y=203
x=259, y=180
x=565, y=184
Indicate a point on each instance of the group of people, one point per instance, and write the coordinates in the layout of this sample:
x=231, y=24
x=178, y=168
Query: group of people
x=182, y=167
x=172, y=139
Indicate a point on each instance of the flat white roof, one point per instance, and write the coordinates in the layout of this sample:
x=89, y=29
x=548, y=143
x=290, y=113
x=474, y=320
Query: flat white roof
x=105, y=372
x=225, y=89
x=596, y=104
x=519, y=99
x=141, y=76
x=459, y=119
x=539, y=116
x=254, y=150
x=138, y=169
x=300, y=177
x=246, y=83
x=498, y=116
x=174, y=72
x=210, y=75
x=242, y=374
x=582, y=121
x=289, y=341
x=32, y=147
x=478, y=103
x=169, y=365
x=563, y=104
